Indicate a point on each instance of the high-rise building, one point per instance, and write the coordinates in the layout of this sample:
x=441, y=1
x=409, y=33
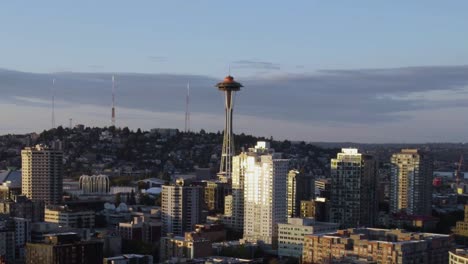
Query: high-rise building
x=353, y=189
x=235, y=211
x=42, y=174
x=64, y=248
x=318, y=208
x=371, y=245
x=215, y=193
x=300, y=187
x=7, y=240
x=181, y=207
x=265, y=191
x=322, y=188
x=22, y=236
x=411, y=182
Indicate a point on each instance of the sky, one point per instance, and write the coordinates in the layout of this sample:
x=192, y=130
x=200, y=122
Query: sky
x=363, y=71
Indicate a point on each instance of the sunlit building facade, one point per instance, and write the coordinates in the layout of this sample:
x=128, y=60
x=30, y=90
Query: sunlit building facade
x=42, y=174
x=411, y=182
x=265, y=193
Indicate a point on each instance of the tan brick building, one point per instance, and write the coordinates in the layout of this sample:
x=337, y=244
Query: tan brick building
x=383, y=246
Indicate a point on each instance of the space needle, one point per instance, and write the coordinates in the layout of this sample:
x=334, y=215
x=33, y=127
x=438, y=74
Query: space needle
x=229, y=87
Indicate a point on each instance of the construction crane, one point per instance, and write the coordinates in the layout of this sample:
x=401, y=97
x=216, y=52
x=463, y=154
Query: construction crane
x=458, y=172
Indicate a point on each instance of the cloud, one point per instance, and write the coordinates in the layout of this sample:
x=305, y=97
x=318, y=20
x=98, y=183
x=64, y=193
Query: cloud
x=157, y=58
x=332, y=99
x=250, y=64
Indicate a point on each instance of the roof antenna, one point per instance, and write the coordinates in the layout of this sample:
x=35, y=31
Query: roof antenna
x=229, y=69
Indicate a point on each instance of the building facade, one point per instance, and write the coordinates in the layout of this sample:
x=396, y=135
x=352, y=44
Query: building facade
x=300, y=187
x=411, y=182
x=458, y=256
x=42, y=174
x=353, y=189
x=186, y=247
x=385, y=246
x=140, y=230
x=235, y=211
x=265, y=191
x=64, y=248
x=129, y=259
x=291, y=235
x=181, y=207
x=23, y=207
x=64, y=216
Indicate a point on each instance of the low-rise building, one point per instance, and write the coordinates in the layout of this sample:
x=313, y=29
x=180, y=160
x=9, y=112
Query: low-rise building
x=212, y=232
x=291, y=235
x=458, y=256
x=129, y=259
x=380, y=245
x=184, y=247
x=64, y=216
x=138, y=229
x=64, y=248
x=461, y=229
x=22, y=207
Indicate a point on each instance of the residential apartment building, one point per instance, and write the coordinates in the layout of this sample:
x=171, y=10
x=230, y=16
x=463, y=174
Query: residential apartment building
x=353, y=189
x=42, y=174
x=300, y=187
x=181, y=207
x=411, y=182
x=385, y=246
x=265, y=195
x=291, y=235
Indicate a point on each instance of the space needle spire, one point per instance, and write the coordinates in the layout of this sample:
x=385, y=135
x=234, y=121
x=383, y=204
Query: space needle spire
x=229, y=87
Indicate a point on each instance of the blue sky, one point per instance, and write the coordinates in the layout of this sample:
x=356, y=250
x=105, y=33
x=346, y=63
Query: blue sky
x=204, y=37
x=292, y=41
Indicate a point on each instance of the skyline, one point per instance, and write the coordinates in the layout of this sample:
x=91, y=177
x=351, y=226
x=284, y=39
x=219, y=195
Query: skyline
x=322, y=71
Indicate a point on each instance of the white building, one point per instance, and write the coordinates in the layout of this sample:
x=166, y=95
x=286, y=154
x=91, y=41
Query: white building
x=42, y=174
x=181, y=208
x=291, y=235
x=264, y=194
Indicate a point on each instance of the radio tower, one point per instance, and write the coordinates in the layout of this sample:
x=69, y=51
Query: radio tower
x=229, y=87
x=53, y=103
x=113, y=101
x=187, y=110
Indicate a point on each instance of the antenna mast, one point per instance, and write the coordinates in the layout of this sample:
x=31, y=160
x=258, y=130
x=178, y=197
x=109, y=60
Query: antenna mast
x=53, y=103
x=187, y=109
x=113, y=101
